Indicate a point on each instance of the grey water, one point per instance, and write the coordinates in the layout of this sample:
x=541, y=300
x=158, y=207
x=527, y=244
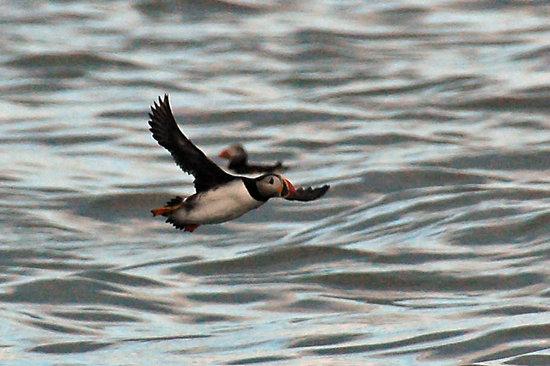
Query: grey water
x=430, y=120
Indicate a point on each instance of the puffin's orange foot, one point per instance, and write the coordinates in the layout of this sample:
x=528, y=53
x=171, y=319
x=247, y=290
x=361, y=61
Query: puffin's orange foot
x=190, y=227
x=164, y=211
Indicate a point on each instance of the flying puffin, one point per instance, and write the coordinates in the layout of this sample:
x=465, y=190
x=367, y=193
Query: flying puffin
x=219, y=196
x=238, y=162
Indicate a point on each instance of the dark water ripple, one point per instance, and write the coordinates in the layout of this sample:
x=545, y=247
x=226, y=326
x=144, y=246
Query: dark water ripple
x=429, y=120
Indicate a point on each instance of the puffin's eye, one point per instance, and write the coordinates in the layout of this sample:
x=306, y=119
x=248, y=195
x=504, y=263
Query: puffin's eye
x=271, y=180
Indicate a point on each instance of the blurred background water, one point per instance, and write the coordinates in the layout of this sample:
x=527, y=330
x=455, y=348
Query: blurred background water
x=430, y=119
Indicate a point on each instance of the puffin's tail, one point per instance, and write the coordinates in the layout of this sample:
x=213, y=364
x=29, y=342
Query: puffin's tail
x=171, y=206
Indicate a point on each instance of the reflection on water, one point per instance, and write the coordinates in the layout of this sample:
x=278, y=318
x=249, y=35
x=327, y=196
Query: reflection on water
x=429, y=119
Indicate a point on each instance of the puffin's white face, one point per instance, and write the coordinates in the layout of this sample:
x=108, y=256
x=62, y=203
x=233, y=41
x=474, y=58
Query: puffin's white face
x=274, y=185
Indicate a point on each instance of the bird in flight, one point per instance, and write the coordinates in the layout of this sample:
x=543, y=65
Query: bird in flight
x=219, y=196
x=238, y=162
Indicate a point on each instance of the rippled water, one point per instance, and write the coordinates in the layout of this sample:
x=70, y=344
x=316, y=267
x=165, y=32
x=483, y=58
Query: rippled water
x=430, y=119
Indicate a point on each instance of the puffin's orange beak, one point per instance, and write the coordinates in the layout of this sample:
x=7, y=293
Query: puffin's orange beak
x=225, y=154
x=288, y=189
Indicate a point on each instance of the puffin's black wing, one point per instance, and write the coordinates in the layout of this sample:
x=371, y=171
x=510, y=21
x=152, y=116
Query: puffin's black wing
x=188, y=157
x=245, y=168
x=261, y=168
x=308, y=194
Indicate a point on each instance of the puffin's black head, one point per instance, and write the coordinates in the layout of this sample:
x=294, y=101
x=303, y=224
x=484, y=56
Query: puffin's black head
x=234, y=153
x=274, y=185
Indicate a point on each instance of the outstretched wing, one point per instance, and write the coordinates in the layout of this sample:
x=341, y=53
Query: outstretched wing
x=308, y=194
x=188, y=157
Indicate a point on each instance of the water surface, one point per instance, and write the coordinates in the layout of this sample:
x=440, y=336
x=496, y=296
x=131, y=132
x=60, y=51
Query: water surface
x=429, y=119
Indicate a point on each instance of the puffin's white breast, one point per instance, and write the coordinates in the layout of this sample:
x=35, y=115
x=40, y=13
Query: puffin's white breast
x=221, y=204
